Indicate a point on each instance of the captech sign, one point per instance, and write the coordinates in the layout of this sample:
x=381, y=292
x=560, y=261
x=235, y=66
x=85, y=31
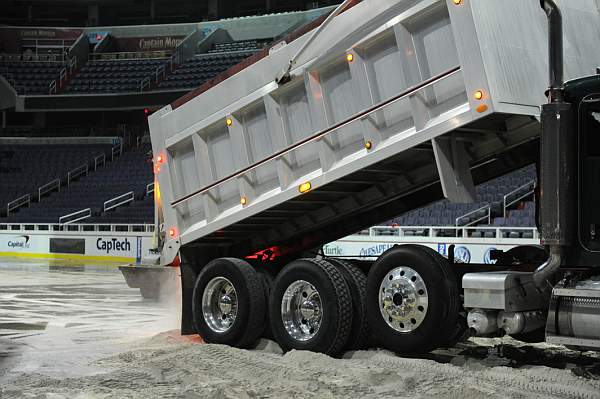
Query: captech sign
x=113, y=244
x=19, y=242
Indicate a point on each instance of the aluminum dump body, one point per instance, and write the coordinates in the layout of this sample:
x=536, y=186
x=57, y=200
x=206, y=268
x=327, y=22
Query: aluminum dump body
x=396, y=102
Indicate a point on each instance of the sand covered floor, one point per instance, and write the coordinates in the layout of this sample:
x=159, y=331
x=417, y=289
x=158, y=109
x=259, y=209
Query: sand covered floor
x=80, y=332
x=170, y=367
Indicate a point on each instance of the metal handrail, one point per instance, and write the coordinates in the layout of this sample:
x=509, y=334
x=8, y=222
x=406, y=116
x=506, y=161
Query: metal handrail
x=17, y=203
x=52, y=87
x=324, y=132
x=487, y=216
x=116, y=150
x=120, y=200
x=100, y=159
x=432, y=231
x=72, y=64
x=160, y=70
x=144, y=83
x=130, y=55
x=48, y=187
x=520, y=197
x=74, y=227
x=85, y=213
x=149, y=188
x=174, y=60
x=78, y=171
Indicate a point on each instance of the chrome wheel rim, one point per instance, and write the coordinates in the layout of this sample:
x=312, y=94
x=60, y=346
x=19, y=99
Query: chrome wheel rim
x=219, y=304
x=301, y=310
x=403, y=299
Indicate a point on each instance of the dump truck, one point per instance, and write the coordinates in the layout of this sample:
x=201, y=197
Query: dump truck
x=382, y=107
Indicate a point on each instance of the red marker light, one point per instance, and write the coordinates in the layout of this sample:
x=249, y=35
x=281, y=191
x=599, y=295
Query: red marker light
x=146, y=111
x=157, y=170
x=159, y=159
x=98, y=37
x=172, y=232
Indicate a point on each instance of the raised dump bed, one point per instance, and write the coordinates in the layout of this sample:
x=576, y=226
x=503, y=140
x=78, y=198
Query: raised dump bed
x=395, y=104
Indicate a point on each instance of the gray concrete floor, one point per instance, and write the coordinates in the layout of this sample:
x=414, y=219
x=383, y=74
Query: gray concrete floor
x=56, y=317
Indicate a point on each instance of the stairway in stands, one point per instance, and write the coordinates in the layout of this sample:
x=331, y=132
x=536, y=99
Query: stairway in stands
x=131, y=172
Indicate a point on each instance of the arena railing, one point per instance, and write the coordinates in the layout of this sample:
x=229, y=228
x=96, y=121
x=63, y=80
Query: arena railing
x=130, y=55
x=487, y=209
x=149, y=188
x=116, y=151
x=99, y=160
x=446, y=231
x=77, y=227
x=118, y=201
x=32, y=57
x=48, y=187
x=63, y=76
x=517, y=195
x=75, y=216
x=78, y=171
x=18, y=203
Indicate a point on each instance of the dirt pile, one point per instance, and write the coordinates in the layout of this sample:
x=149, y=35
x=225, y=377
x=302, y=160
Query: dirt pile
x=165, y=367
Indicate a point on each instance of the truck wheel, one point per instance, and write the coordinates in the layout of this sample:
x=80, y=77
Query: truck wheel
x=357, y=282
x=229, y=303
x=412, y=300
x=267, y=280
x=311, y=307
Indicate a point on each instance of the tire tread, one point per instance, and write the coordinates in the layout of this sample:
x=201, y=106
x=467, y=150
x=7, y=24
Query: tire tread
x=360, y=337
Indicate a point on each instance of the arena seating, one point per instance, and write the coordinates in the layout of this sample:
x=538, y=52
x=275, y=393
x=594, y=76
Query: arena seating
x=129, y=172
x=243, y=45
x=132, y=172
x=445, y=213
x=24, y=168
x=137, y=212
x=201, y=68
x=113, y=76
x=30, y=77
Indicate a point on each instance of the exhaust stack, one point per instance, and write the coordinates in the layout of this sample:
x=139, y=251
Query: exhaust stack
x=557, y=167
x=555, y=50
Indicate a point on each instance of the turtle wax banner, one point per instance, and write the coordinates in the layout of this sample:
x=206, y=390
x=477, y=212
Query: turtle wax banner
x=466, y=252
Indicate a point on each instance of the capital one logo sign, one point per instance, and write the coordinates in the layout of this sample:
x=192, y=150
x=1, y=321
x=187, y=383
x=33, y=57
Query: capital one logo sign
x=19, y=242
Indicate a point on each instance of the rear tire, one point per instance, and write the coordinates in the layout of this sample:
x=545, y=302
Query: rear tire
x=229, y=303
x=414, y=288
x=267, y=280
x=311, y=307
x=360, y=335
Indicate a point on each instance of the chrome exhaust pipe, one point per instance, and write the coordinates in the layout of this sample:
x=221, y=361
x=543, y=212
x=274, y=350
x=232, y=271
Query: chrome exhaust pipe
x=548, y=268
x=555, y=50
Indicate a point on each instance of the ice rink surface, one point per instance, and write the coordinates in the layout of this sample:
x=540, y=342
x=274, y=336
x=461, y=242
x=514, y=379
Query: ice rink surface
x=70, y=330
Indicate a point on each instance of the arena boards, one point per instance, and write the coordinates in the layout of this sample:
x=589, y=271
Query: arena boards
x=112, y=246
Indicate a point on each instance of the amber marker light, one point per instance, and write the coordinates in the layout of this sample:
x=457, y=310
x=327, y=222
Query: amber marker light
x=482, y=108
x=349, y=57
x=243, y=200
x=457, y=2
x=229, y=121
x=304, y=187
x=368, y=145
x=478, y=95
